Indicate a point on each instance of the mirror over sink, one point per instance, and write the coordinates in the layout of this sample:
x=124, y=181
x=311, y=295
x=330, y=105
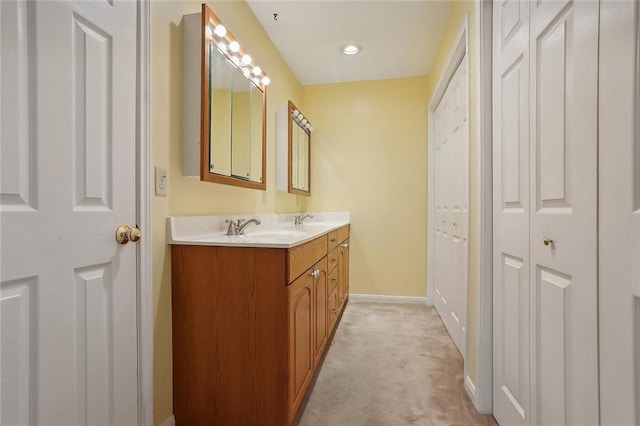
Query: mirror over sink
x=294, y=150
x=224, y=109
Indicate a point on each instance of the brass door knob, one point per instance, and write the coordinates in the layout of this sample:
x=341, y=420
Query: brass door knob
x=546, y=241
x=125, y=233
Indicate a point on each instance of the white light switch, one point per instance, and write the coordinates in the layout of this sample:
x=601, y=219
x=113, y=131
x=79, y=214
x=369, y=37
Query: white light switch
x=161, y=181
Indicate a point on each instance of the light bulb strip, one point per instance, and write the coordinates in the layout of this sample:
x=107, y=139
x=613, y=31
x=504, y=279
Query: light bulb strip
x=302, y=121
x=229, y=46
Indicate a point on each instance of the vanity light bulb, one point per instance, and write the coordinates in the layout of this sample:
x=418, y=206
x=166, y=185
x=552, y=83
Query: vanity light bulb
x=246, y=60
x=311, y=128
x=220, y=31
x=308, y=125
x=257, y=70
x=304, y=121
x=234, y=46
x=295, y=112
x=300, y=116
x=266, y=80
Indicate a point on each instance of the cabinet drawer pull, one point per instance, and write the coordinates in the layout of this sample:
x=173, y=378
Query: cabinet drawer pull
x=333, y=259
x=333, y=240
x=333, y=280
x=316, y=273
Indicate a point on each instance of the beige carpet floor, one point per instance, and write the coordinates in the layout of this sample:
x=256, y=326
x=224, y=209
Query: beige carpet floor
x=390, y=365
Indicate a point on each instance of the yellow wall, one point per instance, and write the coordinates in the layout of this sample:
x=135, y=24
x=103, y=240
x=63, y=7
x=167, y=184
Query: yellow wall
x=369, y=157
x=457, y=15
x=189, y=196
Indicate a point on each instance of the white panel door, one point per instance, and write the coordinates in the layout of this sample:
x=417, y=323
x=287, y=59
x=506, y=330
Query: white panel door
x=563, y=196
x=619, y=213
x=545, y=197
x=68, y=140
x=451, y=187
x=511, y=321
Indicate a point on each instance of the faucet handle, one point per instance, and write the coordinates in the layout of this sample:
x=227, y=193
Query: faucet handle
x=299, y=219
x=232, y=226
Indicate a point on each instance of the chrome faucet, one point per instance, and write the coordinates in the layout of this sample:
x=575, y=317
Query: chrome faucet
x=299, y=219
x=237, y=227
x=242, y=226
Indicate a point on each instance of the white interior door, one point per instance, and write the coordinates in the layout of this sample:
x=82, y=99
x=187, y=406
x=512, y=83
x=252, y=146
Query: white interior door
x=545, y=259
x=68, y=141
x=511, y=321
x=619, y=213
x=563, y=196
x=451, y=195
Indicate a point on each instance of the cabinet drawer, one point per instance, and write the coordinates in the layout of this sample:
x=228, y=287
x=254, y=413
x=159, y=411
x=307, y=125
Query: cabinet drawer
x=305, y=256
x=343, y=233
x=333, y=280
x=333, y=259
x=333, y=240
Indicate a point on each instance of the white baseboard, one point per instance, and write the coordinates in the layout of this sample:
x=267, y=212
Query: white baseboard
x=386, y=299
x=171, y=421
x=471, y=390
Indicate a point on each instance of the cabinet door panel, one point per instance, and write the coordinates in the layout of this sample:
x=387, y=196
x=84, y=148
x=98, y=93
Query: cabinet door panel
x=332, y=309
x=300, y=316
x=320, y=294
x=343, y=272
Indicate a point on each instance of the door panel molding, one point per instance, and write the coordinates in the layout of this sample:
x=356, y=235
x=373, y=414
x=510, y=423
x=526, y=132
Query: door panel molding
x=18, y=144
x=18, y=321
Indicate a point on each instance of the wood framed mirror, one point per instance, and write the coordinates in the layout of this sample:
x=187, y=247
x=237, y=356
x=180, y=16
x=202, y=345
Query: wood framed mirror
x=233, y=109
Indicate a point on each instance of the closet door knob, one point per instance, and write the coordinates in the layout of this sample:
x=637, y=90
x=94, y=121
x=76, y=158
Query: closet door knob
x=546, y=241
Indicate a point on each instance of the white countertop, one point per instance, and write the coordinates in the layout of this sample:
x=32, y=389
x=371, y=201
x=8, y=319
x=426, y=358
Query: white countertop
x=275, y=231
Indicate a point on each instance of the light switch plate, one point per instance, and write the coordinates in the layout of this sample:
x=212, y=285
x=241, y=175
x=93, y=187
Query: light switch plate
x=161, y=181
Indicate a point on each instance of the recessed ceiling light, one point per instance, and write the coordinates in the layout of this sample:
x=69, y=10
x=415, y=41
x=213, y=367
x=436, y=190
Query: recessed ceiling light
x=350, y=49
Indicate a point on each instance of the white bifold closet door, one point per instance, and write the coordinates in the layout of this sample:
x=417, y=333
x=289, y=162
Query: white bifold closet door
x=619, y=213
x=451, y=195
x=545, y=198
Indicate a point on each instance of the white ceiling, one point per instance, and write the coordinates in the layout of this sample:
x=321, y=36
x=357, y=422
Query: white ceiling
x=399, y=38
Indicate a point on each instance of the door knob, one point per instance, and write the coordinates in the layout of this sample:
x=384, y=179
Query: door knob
x=125, y=233
x=546, y=241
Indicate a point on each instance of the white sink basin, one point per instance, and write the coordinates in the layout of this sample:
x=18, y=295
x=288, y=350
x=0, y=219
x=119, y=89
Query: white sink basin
x=276, y=231
x=275, y=234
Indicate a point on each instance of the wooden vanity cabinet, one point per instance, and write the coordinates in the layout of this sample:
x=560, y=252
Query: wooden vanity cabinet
x=250, y=328
x=338, y=244
x=230, y=337
x=308, y=330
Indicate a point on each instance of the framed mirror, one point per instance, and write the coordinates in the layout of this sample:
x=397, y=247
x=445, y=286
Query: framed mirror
x=233, y=110
x=299, y=148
